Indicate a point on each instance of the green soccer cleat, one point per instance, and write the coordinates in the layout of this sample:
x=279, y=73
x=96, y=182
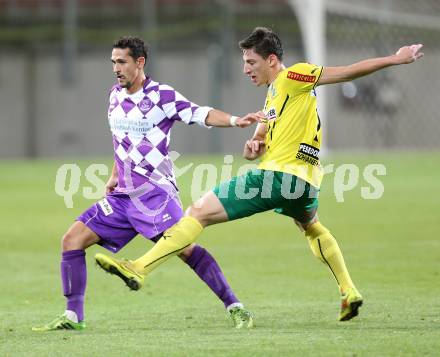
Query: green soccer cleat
x=241, y=317
x=61, y=323
x=351, y=301
x=122, y=268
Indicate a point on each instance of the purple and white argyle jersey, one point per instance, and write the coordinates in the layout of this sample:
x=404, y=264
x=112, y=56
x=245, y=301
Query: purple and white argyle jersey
x=141, y=126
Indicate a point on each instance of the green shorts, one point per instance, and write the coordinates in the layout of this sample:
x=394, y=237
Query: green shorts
x=262, y=190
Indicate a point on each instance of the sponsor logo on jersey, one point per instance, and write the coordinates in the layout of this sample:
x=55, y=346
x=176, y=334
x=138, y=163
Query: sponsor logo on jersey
x=271, y=114
x=132, y=126
x=105, y=207
x=308, y=154
x=301, y=77
x=166, y=217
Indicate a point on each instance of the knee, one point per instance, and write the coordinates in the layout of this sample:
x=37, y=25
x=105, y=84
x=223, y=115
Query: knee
x=193, y=211
x=78, y=237
x=186, y=253
x=69, y=241
x=207, y=210
x=304, y=226
x=196, y=212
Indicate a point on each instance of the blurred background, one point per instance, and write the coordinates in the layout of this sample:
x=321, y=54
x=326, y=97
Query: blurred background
x=55, y=69
x=55, y=75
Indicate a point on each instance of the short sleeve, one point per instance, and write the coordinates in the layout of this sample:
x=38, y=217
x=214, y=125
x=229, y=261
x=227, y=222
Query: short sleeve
x=302, y=76
x=177, y=107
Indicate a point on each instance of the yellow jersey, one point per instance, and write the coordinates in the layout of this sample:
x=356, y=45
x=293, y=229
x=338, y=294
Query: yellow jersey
x=293, y=127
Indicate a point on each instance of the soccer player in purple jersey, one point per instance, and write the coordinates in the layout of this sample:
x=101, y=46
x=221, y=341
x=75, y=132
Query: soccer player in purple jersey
x=142, y=196
x=289, y=174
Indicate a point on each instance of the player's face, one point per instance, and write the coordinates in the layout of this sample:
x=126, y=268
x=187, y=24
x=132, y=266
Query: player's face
x=256, y=67
x=125, y=67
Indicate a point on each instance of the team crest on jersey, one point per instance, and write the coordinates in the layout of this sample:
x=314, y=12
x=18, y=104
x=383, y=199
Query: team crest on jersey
x=113, y=103
x=145, y=105
x=271, y=114
x=272, y=91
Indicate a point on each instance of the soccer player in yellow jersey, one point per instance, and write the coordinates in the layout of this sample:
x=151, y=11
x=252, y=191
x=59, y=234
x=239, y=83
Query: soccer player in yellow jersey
x=289, y=175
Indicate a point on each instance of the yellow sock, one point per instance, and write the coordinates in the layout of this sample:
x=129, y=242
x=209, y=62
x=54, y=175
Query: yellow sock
x=174, y=239
x=325, y=248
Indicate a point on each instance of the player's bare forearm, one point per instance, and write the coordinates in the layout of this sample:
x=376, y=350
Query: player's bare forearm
x=221, y=119
x=112, y=182
x=114, y=170
x=260, y=132
x=218, y=118
x=356, y=70
x=405, y=55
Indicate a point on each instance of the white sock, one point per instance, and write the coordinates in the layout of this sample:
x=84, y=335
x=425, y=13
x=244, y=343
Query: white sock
x=71, y=315
x=235, y=304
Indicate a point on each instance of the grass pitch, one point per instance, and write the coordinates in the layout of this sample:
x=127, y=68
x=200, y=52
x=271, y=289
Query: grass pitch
x=391, y=246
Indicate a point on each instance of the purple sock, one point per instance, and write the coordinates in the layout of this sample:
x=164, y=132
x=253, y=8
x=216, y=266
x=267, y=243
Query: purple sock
x=74, y=278
x=208, y=270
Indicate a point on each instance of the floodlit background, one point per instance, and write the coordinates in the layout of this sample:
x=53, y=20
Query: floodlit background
x=55, y=69
x=55, y=74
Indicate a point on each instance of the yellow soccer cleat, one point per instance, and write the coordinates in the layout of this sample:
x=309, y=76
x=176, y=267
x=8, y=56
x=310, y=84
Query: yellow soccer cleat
x=351, y=300
x=122, y=268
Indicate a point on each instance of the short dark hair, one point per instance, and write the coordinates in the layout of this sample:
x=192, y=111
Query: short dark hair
x=264, y=42
x=136, y=45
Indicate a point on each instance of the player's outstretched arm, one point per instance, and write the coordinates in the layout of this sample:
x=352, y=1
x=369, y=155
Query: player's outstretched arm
x=405, y=55
x=255, y=147
x=221, y=119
